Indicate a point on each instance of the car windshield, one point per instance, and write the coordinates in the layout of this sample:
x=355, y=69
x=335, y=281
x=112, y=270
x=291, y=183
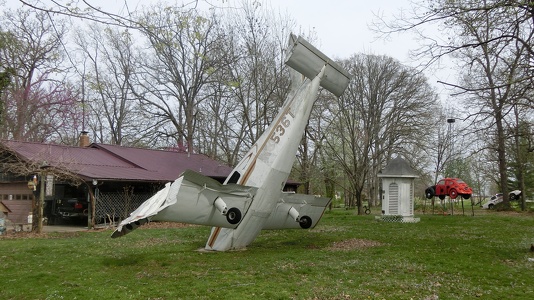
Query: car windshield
x=459, y=181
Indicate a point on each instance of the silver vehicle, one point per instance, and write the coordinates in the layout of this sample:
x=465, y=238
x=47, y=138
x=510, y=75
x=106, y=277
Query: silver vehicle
x=497, y=198
x=494, y=200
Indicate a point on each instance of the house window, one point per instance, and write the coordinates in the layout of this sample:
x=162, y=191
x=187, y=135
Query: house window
x=15, y=197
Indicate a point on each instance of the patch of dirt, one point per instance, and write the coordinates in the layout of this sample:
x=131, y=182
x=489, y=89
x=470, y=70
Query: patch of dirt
x=354, y=244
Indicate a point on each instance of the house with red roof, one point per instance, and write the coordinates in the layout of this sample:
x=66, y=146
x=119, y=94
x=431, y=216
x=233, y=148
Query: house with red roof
x=90, y=183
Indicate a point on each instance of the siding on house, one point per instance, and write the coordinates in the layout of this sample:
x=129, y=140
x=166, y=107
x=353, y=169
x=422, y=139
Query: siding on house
x=15, y=191
x=19, y=210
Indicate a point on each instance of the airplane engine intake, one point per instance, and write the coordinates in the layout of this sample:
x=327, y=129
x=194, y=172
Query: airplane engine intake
x=305, y=222
x=233, y=216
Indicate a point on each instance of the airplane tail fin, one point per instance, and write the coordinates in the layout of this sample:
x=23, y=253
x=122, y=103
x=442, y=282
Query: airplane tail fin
x=309, y=61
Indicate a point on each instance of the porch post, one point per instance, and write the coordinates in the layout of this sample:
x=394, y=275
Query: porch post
x=41, y=201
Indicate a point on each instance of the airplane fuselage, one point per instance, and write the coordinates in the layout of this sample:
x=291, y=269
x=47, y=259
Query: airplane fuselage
x=267, y=166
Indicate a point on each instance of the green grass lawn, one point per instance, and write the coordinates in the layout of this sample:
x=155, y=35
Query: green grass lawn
x=345, y=257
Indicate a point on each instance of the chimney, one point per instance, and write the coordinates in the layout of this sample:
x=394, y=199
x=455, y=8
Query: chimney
x=84, y=139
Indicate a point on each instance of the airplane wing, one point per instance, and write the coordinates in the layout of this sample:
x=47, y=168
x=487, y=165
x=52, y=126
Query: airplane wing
x=195, y=199
x=297, y=211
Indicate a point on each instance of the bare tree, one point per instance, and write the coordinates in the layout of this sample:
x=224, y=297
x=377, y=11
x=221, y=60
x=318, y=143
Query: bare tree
x=183, y=58
x=40, y=104
x=317, y=172
x=115, y=116
x=492, y=83
x=253, y=85
x=520, y=165
x=386, y=111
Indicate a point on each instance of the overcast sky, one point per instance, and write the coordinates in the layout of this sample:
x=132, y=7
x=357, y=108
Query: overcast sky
x=343, y=25
x=342, y=28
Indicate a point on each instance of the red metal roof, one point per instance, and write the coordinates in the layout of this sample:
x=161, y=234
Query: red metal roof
x=111, y=162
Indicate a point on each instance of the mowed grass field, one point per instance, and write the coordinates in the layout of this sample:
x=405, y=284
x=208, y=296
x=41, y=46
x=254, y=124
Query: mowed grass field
x=486, y=256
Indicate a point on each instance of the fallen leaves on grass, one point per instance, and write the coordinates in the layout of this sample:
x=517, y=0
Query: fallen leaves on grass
x=34, y=235
x=22, y=235
x=164, y=225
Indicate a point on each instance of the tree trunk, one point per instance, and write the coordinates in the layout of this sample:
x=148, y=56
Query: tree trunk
x=501, y=150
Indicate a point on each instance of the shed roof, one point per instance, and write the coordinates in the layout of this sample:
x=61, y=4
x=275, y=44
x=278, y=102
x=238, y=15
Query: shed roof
x=111, y=162
x=398, y=167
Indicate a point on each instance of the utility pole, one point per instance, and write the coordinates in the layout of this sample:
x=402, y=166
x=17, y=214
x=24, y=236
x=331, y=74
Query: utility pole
x=449, y=139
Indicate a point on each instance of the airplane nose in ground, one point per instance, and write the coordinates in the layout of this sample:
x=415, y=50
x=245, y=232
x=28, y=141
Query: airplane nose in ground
x=128, y=228
x=118, y=233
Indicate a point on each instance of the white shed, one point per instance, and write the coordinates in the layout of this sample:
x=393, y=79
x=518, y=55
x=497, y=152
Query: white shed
x=398, y=192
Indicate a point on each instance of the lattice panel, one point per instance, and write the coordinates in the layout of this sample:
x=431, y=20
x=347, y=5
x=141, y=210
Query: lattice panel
x=117, y=205
x=397, y=219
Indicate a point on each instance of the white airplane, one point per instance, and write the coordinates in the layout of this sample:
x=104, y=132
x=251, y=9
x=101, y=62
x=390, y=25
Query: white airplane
x=251, y=198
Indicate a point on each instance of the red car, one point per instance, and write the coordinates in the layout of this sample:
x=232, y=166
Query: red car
x=451, y=187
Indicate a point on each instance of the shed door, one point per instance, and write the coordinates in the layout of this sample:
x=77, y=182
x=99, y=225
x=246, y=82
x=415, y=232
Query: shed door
x=406, y=199
x=393, y=206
